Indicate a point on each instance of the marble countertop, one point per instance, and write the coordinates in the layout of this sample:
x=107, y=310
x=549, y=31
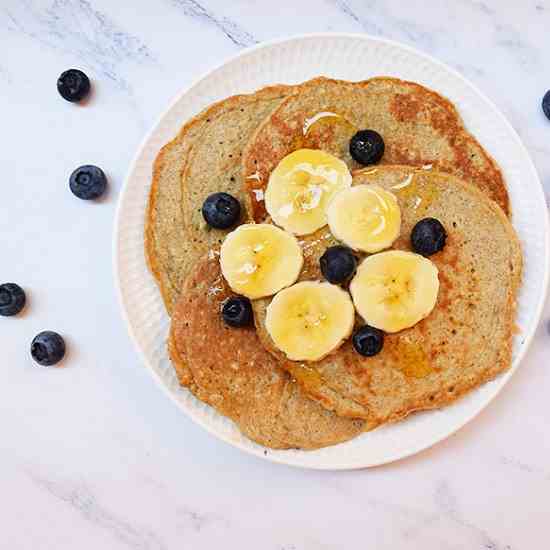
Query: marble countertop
x=93, y=455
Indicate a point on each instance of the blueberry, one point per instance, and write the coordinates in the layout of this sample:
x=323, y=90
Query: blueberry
x=73, y=85
x=221, y=210
x=237, y=311
x=368, y=341
x=428, y=236
x=546, y=104
x=338, y=264
x=88, y=182
x=366, y=147
x=48, y=348
x=12, y=299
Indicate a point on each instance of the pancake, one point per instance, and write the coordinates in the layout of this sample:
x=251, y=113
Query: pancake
x=419, y=128
x=169, y=250
x=239, y=378
x=464, y=342
x=267, y=406
x=214, y=162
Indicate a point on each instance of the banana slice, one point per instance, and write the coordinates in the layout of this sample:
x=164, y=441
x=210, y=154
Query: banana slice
x=258, y=260
x=394, y=290
x=300, y=188
x=309, y=319
x=365, y=217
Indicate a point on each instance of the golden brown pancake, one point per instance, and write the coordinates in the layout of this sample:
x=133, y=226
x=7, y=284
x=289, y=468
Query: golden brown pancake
x=171, y=245
x=233, y=373
x=419, y=127
x=168, y=246
x=464, y=342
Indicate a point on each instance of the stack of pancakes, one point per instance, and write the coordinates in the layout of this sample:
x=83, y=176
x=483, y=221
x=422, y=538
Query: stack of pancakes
x=232, y=146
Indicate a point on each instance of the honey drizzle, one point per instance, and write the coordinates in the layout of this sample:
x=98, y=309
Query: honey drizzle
x=315, y=123
x=312, y=120
x=416, y=197
x=412, y=360
x=306, y=375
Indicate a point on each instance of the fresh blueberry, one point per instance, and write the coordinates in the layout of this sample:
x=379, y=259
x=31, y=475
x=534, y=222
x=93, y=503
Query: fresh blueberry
x=73, y=85
x=12, y=299
x=366, y=147
x=428, y=236
x=221, y=210
x=338, y=264
x=48, y=348
x=368, y=341
x=88, y=182
x=546, y=104
x=237, y=312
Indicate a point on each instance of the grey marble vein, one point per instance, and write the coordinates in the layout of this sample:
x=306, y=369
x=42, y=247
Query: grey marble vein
x=514, y=44
x=470, y=70
x=82, y=500
x=480, y=6
x=187, y=517
x=233, y=31
x=197, y=520
x=447, y=503
x=419, y=526
x=377, y=18
x=364, y=23
x=521, y=466
x=76, y=28
x=5, y=75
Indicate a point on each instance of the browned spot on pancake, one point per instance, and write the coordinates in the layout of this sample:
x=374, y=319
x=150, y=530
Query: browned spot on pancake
x=463, y=160
x=257, y=179
x=401, y=153
x=446, y=283
x=466, y=152
x=449, y=256
x=444, y=301
x=405, y=108
x=422, y=327
x=443, y=121
x=325, y=134
x=445, y=298
x=403, y=242
x=285, y=127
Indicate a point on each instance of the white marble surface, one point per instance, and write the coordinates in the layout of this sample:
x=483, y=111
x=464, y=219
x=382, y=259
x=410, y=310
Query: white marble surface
x=93, y=455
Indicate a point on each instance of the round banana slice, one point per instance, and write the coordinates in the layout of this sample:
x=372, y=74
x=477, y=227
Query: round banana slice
x=394, y=290
x=300, y=188
x=365, y=217
x=258, y=260
x=309, y=319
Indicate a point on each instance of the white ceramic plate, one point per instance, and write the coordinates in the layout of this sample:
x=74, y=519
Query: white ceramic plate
x=350, y=57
